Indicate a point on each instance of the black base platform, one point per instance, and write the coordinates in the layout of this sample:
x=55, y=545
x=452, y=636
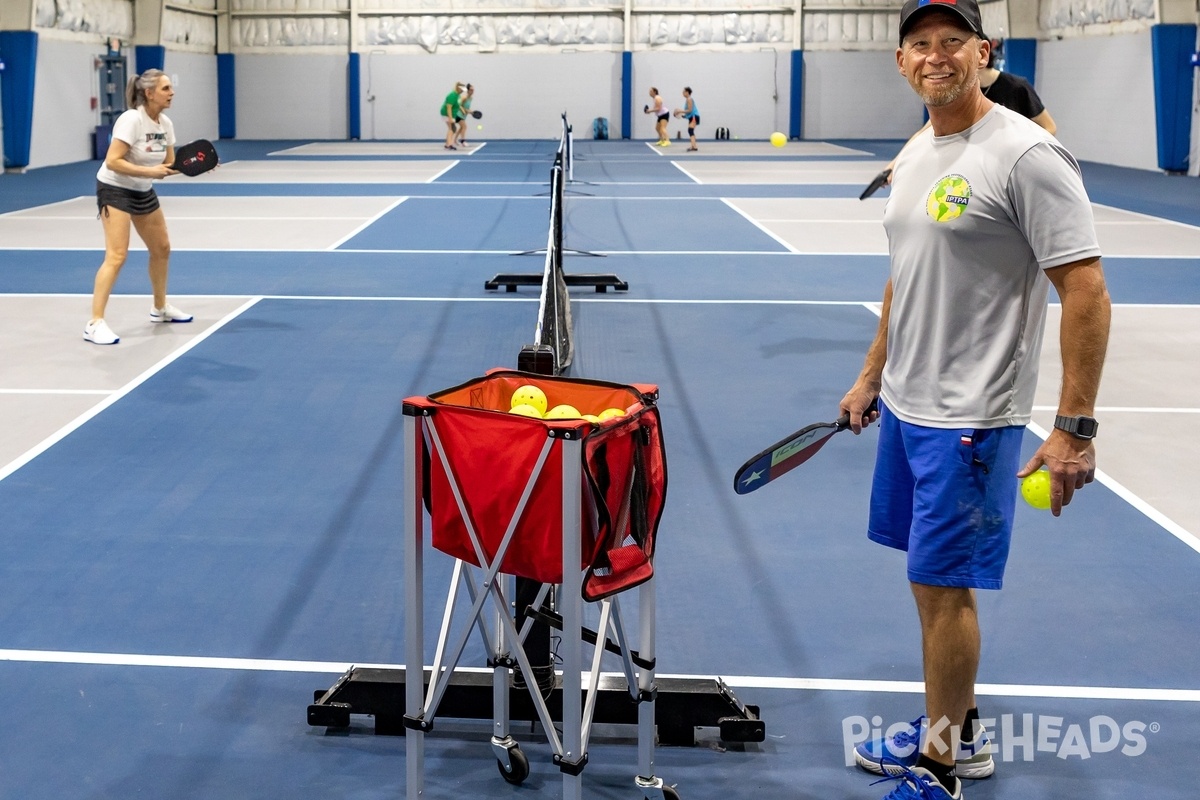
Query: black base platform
x=681, y=705
x=601, y=281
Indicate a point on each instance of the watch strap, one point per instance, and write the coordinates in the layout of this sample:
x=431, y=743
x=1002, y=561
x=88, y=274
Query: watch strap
x=1081, y=427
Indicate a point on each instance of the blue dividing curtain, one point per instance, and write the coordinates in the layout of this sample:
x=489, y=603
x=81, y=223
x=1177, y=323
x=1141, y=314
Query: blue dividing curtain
x=1171, y=49
x=17, y=79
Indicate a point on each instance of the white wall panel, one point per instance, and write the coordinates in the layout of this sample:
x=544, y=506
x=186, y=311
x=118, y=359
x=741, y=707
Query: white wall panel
x=194, y=109
x=63, y=119
x=857, y=95
x=520, y=95
x=291, y=97
x=102, y=17
x=1100, y=91
x=742, y=91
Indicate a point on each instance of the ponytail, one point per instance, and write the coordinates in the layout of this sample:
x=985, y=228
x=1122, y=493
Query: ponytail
x=135, y=92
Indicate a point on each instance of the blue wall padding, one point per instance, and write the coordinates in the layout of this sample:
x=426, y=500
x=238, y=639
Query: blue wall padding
x=354, y=109
x=796, y=113
x=1171, y=50
x=19, y=49
x=1020, y=58
x=626, y=95
x=149, y=56
x=226, y=97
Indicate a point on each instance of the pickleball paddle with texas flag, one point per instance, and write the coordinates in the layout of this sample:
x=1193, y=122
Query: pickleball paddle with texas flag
x=789, y=453
x=195, y=158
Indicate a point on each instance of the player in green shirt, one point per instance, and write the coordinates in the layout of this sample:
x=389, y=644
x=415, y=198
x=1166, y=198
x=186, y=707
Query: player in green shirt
x=451, y=111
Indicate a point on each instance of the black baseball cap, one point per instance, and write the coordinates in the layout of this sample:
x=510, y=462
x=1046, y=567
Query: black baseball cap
x=967, y=10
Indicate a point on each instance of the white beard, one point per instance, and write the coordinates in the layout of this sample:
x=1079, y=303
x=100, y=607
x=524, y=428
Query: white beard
x=944, y=96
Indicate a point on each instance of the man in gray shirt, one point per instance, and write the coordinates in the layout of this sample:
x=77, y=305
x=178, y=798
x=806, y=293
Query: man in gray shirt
x=988, y=212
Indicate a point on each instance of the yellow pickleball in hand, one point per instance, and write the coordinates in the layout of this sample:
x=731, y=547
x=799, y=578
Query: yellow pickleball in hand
x=1035, y=488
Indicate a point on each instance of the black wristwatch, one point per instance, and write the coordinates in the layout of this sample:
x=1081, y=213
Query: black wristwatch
x=1080, y=427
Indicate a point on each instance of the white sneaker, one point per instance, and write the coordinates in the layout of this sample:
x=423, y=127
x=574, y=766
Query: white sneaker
x=98, y=332
x=169, y=313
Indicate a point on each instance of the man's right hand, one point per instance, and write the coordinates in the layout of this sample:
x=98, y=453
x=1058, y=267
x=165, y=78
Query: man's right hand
x=856, y=401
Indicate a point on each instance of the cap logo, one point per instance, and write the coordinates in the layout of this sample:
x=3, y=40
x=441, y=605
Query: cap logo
x=940, y=2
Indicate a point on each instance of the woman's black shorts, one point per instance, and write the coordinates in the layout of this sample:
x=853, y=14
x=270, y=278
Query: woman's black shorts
x=127, y=200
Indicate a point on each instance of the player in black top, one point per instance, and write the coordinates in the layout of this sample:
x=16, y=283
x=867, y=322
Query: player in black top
x=1013, y=91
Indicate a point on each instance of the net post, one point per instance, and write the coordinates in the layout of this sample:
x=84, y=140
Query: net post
x=537, y=358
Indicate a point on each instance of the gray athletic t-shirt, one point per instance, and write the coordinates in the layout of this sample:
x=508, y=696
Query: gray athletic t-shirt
x=972, y=220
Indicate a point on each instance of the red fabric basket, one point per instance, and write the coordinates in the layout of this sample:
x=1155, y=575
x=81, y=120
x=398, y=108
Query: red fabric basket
x=491, y=455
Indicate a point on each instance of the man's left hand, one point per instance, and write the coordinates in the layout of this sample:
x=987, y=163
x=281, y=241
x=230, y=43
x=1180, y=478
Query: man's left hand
x=1071, y=463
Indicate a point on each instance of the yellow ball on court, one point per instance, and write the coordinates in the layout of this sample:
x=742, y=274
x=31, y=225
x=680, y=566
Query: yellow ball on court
x=529, y=395
x=610, y=413
x=478, y=127
x=778, y=139
x=526, y=410
x=1036, y=489
x=563, y=411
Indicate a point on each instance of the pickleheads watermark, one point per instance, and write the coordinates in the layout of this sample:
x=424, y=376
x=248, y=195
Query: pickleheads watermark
x=1012, y=737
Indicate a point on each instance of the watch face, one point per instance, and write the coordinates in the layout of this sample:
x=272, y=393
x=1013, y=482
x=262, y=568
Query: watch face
x=1086, y=427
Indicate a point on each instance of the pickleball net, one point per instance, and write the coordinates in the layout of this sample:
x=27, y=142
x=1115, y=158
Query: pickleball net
x=553, y=347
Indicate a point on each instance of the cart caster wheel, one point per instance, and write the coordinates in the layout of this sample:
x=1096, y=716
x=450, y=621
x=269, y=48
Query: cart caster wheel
x=520, y=767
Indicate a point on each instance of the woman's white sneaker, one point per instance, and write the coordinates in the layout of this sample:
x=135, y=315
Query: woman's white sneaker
x=169, y=313
x=98, y=332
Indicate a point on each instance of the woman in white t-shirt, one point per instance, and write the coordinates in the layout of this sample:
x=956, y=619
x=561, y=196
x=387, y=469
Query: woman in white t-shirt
x=142, y=149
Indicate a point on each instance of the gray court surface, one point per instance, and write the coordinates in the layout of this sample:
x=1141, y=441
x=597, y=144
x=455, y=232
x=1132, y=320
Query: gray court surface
x=1148, y=403
x=847, y=225
x=715, y=171
x=233, y=222
x=357, y=171
x=327, y=149
x=737, y=149
x=46, y=390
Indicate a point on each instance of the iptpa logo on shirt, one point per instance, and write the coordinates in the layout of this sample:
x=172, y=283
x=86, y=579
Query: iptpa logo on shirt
x=949, y=198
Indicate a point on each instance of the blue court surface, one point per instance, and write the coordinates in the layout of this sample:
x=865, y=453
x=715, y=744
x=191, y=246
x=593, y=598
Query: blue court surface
x=213, y=531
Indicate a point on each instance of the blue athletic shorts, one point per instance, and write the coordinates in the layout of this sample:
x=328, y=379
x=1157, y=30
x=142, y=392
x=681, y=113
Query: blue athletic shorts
x=947, y=497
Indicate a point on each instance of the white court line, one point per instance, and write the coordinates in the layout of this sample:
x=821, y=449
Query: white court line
x=1130, y=410
x=518, y=252
x=364, y=225
x=57, y=391
x=756, y=224
x=791, y=251
x=1104, y=479
x=675, y=164
x=1156, y=516
x=440, y=173
x=46, y=205
x=505, y=297
x=741, y=682
x=546, y=183
x=188, y=218
x=113, y=397
x=1144, y=216
x=874, y=306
